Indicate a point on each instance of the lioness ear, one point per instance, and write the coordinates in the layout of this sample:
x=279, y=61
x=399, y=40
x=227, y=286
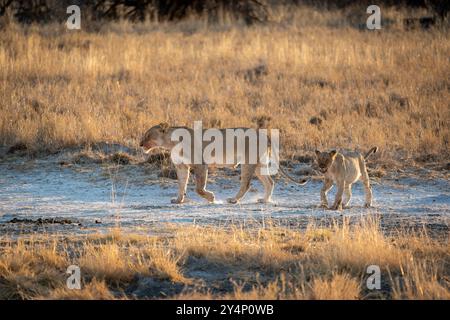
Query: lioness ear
x=164, y=126
x=333, y=153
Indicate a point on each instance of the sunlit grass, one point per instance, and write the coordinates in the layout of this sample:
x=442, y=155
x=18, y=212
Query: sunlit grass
x=263, y=263
x=387, y=88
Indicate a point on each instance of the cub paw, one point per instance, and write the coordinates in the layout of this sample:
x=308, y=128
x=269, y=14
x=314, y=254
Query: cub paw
x=177, y=201
x=262, y=200
x=232, y=200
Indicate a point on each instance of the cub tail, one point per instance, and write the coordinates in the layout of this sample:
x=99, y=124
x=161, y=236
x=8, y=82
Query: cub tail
x=370, y=152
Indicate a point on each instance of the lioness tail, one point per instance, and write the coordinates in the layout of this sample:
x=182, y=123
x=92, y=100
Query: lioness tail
x=300, y=182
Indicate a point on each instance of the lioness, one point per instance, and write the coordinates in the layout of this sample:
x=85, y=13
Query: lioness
x=159, y=136
x=343, y=170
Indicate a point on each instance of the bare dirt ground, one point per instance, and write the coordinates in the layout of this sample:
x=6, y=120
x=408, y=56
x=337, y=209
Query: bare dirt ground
x=52, y=194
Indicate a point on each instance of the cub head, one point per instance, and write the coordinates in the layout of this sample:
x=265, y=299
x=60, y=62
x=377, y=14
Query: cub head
x=156, y=136
x=325, y=159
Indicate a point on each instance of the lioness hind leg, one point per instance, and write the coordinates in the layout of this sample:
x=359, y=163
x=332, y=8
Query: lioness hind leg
x=366, y=182
x=268, y=184
x=183, y=178
x=201, y=177
x=247, y=171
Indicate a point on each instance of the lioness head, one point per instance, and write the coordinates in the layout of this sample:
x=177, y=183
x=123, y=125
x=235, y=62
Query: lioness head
x=156, y=136
x=325, y=159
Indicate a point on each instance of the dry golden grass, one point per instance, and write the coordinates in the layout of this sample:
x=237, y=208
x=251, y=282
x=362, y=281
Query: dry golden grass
x=266, y=263
x=349, y=250
x=94, y=290
x=119, y=261
x=388, y=88
x=262, y=248
x=337, y=288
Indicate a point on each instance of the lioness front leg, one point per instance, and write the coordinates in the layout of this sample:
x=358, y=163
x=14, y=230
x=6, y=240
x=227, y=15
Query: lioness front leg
x=247, y=171
x=183, y=178
x=338, y=199
x=201, y=177
x=327, y=185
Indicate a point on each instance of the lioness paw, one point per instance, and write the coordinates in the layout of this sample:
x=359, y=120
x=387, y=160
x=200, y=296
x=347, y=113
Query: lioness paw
x=262, y=200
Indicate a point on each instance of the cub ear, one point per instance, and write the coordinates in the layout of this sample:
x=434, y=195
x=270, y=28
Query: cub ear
x=317, y=152
x=164, y=126
x=262, y=122
x=333, y=153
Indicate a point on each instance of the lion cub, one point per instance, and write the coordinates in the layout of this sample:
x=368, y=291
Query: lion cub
x=343, y=170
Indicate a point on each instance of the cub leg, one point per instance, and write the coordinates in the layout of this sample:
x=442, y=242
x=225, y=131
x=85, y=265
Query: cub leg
x=247, y=171
x=327, y=185
x=348, y=194
x=338, y=199
x=201, y=177
x=183, y=178
x=368, y=191
x=268, y=184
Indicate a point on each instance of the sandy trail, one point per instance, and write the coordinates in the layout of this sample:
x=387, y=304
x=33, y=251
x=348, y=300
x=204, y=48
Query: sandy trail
x=97, y=197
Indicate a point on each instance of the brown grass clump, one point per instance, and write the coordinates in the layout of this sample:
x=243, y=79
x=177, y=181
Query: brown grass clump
x=118, y=262
x=337, y=288
x=242, y=263
x=356, y=247
x=262, y=248
x=30, y=268
x=94, y=290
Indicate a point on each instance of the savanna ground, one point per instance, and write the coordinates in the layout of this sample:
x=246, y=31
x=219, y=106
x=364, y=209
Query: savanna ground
x=325, y=83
